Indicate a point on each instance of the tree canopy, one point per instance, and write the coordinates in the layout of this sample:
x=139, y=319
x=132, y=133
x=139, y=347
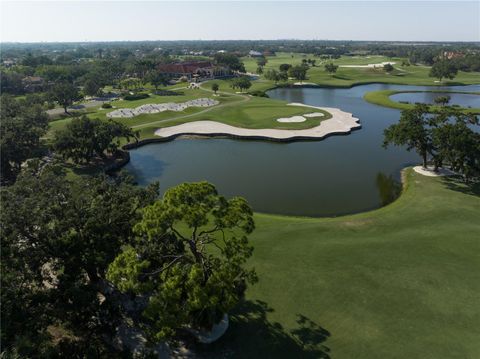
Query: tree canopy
x=21, y=128
x=65, y=94
x=188, y=257
x=84, y=138
x=298, y=72
x=443, y=69
x=331, y=68
x=242, y=83
x=58, y=237
x=445, y=137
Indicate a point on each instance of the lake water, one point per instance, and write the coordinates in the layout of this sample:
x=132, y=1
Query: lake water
x=464, y=100
x=339, y=175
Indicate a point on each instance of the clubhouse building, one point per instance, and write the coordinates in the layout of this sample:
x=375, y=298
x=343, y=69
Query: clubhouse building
x=193, y=70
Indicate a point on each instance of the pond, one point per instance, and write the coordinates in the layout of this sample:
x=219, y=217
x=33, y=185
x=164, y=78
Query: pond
x=339, y=175
x=460, y=99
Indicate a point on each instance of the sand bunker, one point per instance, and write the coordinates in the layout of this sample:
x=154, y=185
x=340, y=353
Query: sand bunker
x=292, y=119
x=381, y=64
x=161, y=107
x=314, y=114
x=340, y=123
x=430, y=173
x=300, y=118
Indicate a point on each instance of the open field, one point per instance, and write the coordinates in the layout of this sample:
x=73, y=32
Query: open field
x=346, y=77
x=398, y=282
x=382, y=98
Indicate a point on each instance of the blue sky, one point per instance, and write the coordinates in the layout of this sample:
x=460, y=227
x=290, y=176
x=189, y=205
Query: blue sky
x=200, y=20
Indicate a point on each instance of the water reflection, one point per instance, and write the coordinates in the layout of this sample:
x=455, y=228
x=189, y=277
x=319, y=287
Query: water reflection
x=388, y=188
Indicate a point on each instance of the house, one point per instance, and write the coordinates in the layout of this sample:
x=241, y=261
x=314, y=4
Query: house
x=192, y=70
x=33, y=84
x=253, y=53
x=452, y=55
x=9, y=63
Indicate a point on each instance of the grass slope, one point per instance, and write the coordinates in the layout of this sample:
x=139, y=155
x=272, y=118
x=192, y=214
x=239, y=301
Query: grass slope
x=382, y=98
x=398, y=282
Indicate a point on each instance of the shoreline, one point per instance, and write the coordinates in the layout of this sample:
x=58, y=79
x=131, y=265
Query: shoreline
x=341, y=123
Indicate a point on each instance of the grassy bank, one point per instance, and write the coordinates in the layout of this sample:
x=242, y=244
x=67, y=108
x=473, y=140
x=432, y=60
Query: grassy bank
x=350, y=76
x=398, y=282
x=382, y=98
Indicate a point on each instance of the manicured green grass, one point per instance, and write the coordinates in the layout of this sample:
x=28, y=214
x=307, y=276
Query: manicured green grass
x=382, y=98
x=347, y=77
x=234, y=109
x=398, y=282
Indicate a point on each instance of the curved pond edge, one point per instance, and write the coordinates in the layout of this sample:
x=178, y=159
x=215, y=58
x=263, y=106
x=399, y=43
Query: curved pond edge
x=404, y=180
x=355, y=84
x=341, y=122
x=382, y=98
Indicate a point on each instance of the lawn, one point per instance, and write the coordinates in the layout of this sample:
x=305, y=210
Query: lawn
x=382, y=98
x=398, y=282
x=240, y=110
x=346, y=77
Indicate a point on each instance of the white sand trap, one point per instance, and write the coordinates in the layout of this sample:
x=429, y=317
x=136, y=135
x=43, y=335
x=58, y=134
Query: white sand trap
x=430, y=173
x=305, y=83
x=161, y=107
x=292, y=119
x=314, y=114
x=340, y=123
x=381, y=64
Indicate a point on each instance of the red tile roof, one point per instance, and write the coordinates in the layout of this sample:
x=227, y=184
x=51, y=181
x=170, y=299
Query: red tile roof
x=184, y=67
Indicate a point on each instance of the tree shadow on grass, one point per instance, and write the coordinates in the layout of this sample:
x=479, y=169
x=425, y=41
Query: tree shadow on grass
x=456, y=183
x=252, y=335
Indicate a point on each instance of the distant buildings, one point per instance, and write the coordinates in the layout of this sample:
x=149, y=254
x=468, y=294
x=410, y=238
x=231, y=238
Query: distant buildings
x=33, y=84
x=452, y=55
x=253, y=53
x=192, y=70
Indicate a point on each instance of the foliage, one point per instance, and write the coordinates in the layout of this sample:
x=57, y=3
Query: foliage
x=11, y=83
x=446, y=136
x=298, y=72
x=58, y=237
x=157, y=79
x=331, y=68
x=84, y=138
x=91, y=88
x=442, y=100
x=137, y=96
x=64, y=93
x=412, y=131
x=443, y=69
x=215, y=87
x=21, y=127
x=231, y=61
x=388, y=67
x=188, y=257
x=258, y=93
x=242, y=83
x=457, y=143
x=284, y=67
x=262, y=61
x=106, y=105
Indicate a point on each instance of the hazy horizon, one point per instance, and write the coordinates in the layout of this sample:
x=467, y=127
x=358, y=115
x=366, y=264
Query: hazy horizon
x=109, y=21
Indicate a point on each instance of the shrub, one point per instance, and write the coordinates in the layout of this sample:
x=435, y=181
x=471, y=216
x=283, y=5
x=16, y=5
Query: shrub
x=258, y=93
x=138, y=96
x=106, y=105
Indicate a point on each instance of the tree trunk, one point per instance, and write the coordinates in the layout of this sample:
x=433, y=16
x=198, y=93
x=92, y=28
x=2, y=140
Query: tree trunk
x=424, y=156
